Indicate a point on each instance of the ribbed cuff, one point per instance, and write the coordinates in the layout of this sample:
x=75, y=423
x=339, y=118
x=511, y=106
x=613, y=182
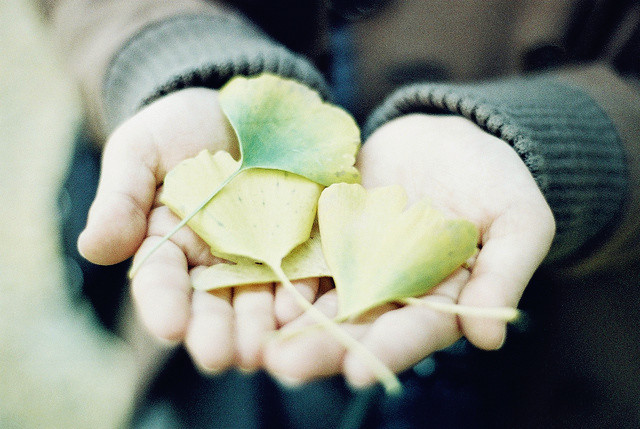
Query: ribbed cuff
x=194, y=50
x=565, y=139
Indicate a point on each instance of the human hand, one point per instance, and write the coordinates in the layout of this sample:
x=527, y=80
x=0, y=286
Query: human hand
x=467, y=173
x=221, y=328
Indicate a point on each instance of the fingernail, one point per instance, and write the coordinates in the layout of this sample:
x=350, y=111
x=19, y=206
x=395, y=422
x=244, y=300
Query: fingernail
x=247, y=371
x=78, y=246
x=360, y=386
x=286, y=381
x=358, y=377
x=167, y=343
x=211, y=370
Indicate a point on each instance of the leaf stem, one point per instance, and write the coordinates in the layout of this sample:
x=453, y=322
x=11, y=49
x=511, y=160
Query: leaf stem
x=387, y=378
x=136, y=266
x=289, y=333
x=505, y=314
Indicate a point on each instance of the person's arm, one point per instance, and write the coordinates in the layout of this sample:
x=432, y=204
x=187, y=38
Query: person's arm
x=521, y=158
x=89, y=33
x=619, y=97
x=572, y=129
x=150, y=71
x=125, y=54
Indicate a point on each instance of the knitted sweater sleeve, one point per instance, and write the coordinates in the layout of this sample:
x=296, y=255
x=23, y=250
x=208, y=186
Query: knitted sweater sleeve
x=195, y=50
x=125, y=54
x=568, y=142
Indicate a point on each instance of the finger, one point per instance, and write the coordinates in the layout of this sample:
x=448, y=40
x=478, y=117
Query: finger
x=513, y=248
x=136, y=159
x=253, y=306
x=403, y=337
x=162, y=292
x=210, y=336
x=117, y=220
x=162, y=220
x=310, y=354
x=286, y=306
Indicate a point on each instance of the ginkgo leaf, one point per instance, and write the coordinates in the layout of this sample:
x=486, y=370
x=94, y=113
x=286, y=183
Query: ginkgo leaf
x=379, y=252
x=261, y=215
x=305, y=261
x=284, y=125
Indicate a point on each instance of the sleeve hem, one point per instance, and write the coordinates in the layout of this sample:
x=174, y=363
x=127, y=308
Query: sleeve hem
x=439, y=99
x=194, y=50
x=561, y=134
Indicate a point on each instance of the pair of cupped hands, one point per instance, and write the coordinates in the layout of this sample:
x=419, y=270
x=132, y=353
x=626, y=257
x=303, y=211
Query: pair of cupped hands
x=463, y=170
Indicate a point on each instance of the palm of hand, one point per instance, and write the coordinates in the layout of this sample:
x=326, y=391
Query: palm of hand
x=467, y=173
x=220, y=329
x=463, y=170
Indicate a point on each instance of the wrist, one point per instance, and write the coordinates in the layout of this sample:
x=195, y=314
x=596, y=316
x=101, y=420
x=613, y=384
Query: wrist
x=194, y=51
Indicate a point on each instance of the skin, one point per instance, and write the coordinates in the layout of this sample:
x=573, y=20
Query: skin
x=465, y=172
x=462, y=169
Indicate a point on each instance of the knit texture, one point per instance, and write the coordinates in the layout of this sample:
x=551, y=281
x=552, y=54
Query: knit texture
x=568, y=143
x=195, y=50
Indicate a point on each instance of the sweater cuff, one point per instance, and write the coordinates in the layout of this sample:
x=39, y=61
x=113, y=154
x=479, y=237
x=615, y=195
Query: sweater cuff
x=565, y=139
x=194, y=50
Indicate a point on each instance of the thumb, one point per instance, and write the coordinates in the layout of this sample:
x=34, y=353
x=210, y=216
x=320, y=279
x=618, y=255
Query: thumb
x=513, y=248
x=117, y=220
x=135, y=161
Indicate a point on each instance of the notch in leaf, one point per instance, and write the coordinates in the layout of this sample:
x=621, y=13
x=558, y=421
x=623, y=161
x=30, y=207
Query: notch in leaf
x=261, y=216
x=378, y=252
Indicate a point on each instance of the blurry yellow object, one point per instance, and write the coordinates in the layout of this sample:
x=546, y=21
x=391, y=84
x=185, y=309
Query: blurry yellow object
x=56, y=369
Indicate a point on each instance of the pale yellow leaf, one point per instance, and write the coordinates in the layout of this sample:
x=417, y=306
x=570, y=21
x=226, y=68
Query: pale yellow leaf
x=305, y=261
x=261, y=214
x=378, y=252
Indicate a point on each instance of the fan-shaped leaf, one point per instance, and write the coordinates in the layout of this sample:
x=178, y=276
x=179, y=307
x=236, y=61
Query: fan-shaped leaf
x=284, y=125
x=379, y=253
x=261, y=215
x=304, y=261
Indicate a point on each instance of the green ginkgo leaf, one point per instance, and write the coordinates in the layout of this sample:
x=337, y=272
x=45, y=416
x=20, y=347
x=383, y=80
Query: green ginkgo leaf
x=262, y=215
x=305, y=261
x=284, y=125
x=379, y=252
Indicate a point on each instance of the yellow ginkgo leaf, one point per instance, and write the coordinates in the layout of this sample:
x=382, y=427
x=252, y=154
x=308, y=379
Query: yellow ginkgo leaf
x=378, y=252
x=261, y=215
x=305, y=261
x=282, y=125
